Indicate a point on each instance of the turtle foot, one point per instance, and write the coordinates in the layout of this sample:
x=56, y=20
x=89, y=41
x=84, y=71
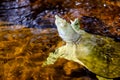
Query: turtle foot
x=51, y=59
x=53, y=56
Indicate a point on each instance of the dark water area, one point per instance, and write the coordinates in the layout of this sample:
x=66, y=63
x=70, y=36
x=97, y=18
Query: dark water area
x=18, y=12
x=29, y=13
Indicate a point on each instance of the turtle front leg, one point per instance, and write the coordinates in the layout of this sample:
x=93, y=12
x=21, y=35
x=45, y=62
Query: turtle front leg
x=102, y=78
x=53, y=56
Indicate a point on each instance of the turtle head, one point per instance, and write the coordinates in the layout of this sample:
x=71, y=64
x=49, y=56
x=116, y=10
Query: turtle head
x=65, y=30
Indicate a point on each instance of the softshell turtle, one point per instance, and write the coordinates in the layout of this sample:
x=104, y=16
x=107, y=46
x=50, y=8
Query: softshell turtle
x=99, y=54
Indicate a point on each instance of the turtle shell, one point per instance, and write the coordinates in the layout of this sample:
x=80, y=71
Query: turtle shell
x=100, y=55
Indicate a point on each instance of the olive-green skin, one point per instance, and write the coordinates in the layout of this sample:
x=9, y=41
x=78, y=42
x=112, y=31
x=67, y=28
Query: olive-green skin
x=99, y=54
